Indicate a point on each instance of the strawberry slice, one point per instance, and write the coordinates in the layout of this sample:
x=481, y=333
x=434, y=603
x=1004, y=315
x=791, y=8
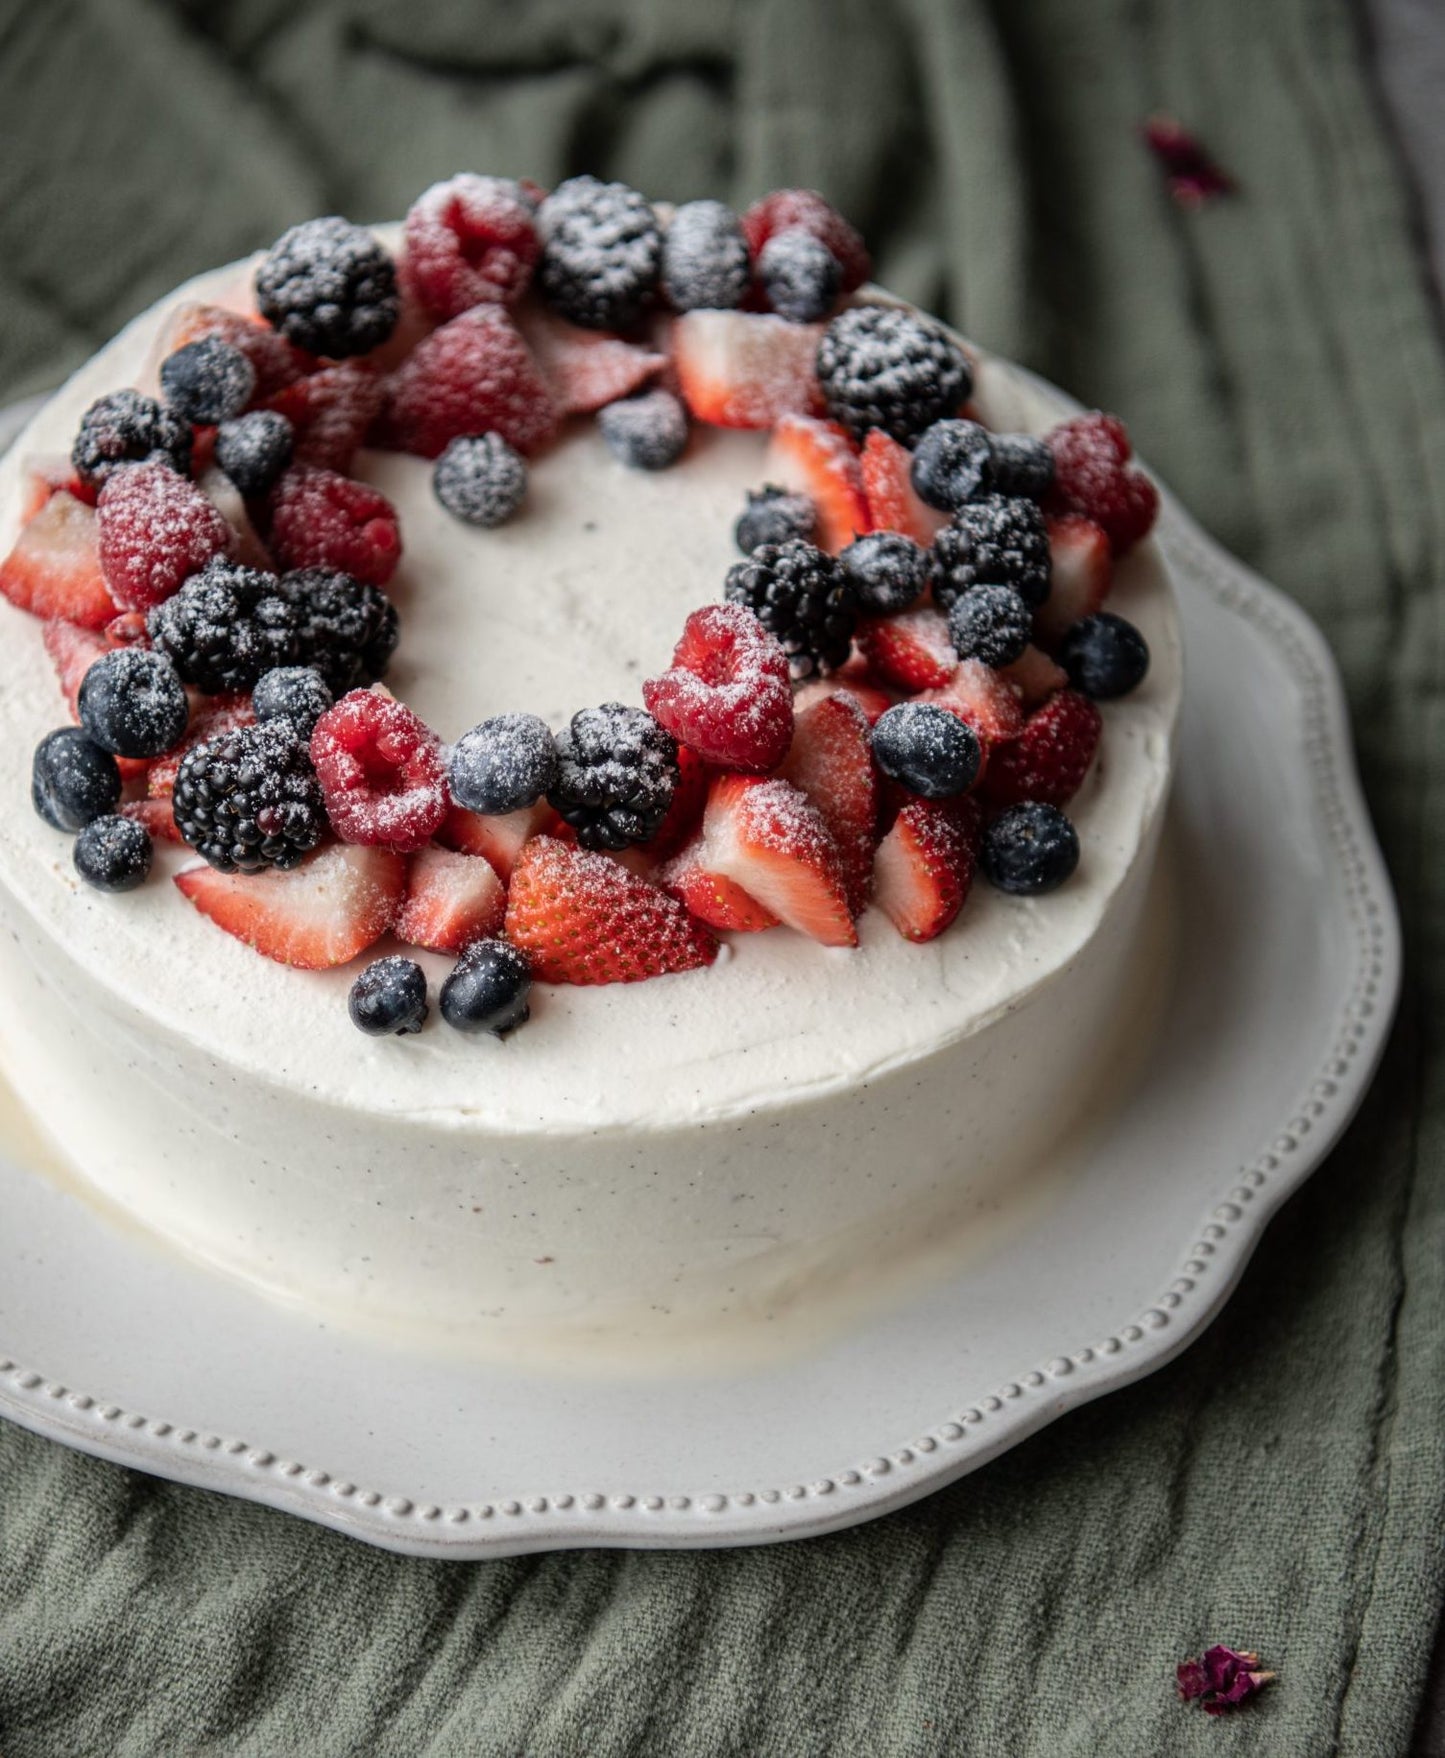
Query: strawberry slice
x=746, y=369
x=719, y=902
x=1050, y=758
x=925, y=866
x=331, y=412
x=727, y=695
x=155, y=817
x=585, y=369
x=1081, y=571
x=54, y=568
x=498, y=838
x=45, y=475
x=817, y=458
x=451, y=900
x=338, y=902
x=982, y=697
x=912, y=650
x=216, y=715
x=583, y=918
x=1034, y=676
x=892, y=503
x=684, y=815
x=769, y=838
x=831, y=760
x=870, y=697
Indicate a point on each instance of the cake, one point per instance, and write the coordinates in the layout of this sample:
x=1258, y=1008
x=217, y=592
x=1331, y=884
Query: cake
x=770, y=1118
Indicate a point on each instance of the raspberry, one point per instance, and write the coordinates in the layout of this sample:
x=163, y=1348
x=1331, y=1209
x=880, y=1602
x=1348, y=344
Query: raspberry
x=1050, y=758
x=330, y=413
x=127, y=428
x=329, y=287
x=381, y=772
x=727, y=696
x=156, y=529
x=473, y=375
x=601, y=253
x=468, y=241
x=804, y=210
x=1093, y=476
x=321, y=520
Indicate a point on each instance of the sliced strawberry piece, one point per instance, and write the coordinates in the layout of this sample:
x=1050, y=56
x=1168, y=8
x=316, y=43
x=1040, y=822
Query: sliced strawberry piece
x=1050, y=758
x=451, y=900
x=925, y=866
x=831, y=760
x=227, y=499
x=1081, y=571
x=473, y=375
x=585, y=369
x=216, y=715
x=746, y=369
x=338, y=902
x=582, y=918
x=912, y=650
x=497, y=838
x=817, y=458
x=155, y=530
x=1093, y=476
x=892, y=503
x=769, y=838
x=54, y=568
x=982, y=697
x=43, y=476
x=855, y=677
x=709, y=896
x=155, y=817
x=276, y=362
x=684, y=814
x=1035, y=676
x=331, y=413
x=727, y=695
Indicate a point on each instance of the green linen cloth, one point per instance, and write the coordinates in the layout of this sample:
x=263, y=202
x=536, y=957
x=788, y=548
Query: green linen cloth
x=1275, y=354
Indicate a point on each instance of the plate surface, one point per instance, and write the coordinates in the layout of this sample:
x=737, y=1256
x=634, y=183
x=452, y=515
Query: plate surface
x=1279, y=1003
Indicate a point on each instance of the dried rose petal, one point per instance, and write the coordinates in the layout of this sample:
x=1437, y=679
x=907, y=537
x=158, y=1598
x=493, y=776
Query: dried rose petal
x=1192, y=176
x=1223, y=1677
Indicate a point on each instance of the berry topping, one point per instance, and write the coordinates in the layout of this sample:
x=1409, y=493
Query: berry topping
x=927, y=749
x=1035, y=676
x=132, y=704
x=801, y=596
x=297, y=694
x=880, y=366
x=155, y=530
x=127, y=428
x=473, y=375
x=727, y=695
x=746, y=369
x=488, y=989
x=647, y=432
x=893, y=503
x=1030, y=849
x=73, y=780
x=1105, y=656
x=772, y=515
x=480, y=480
x=830, y=760
x=585, y=369
x=704, y=257
x=329, y=288
x=346, y=629
x=925, y=866
x=984, y=698
x=275, y=361
x=468, y=241
x=321, y=520
x=254, y=449
x=381, y=772
x=1021, y=464
x=338, y=902
x=805, y=210
x=1051, y=757
x=498, y=837
x=389, y=998
x=155, y=817
x=712, y=899
x=1093, y=476
x=113, y=854
x=249, y=799
x=208, y=381
x=216, y=715
x=584, y=918
x=451, y=900
x=952, y=464
x=768, y=837
x=601, y=253
x=889, y=571
x=54, y=568
x=1081, y=571
x=616, y=771
x=912, y=650
x=996, y=540
x=225, y=626
x=800, y=276
x=331, y=413
x=816, y=458
x=852, y=680
x=505, y=764
x=991, y=623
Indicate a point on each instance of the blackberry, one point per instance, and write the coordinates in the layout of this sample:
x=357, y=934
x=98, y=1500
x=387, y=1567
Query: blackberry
x=647, y=432
x=113, y=854
x=480, y=480
x=295, y=693
x=346, y=629
x=1105, y=656
x=72, y=779
x=952, y=463
x=803, y=597
x=705, y=262
x=880, y=366
x=991, y=623
x=1021, y=465
x=127, y=428
x=927, y=749
x=1029, y=849
x=800, y=275
x=209, y=380
x=132, y=704
x=226, y=626
x=254, y=449
x=389, y=998
x=249, y=799
x=329, y=288
x=888, y=570
x=996, y=540
x=488, y=989
x=505, y=764
x=773, y=515
x=616, y=771
x=601, y=253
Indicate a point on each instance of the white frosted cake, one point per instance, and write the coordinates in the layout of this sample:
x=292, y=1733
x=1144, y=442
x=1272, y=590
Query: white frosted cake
x=698, y=1153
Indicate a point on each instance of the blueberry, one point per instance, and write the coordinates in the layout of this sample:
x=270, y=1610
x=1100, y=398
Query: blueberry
x=481, y=480
x=208, y=381
x=488, y=989
x=254, y=449
x=1022, y=465
x=952, y=462
x=800, y=275
x=504, y=764
x=772, y=515
x=888, y=569
x=991, y=623
x=113, y=854
x=1030, y=849
x=927, y=749
x=297, y=693
x=705, y=258
x=72, y=780
x=388, y=998
x=132, y=703
x=1105, y=656
x=647, y=432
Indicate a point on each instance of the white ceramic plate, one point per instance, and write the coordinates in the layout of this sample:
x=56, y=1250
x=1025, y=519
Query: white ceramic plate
x=1277, y=1013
